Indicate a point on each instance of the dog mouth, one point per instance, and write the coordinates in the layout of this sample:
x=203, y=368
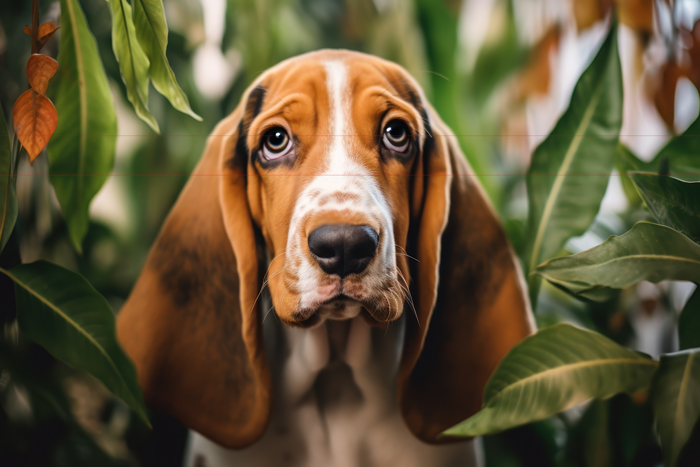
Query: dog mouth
x=341, y=304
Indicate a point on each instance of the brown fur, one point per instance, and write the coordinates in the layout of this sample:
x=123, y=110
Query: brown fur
x=192, y=322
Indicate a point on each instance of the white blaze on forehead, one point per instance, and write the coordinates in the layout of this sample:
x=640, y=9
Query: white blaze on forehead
x=341, y=172
x=339, y=156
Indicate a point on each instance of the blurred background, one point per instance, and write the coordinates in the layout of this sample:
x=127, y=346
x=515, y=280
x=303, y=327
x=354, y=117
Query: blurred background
x=499, y=72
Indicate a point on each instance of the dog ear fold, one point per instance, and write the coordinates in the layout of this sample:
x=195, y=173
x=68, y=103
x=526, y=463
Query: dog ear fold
x=469, y=294
x=191, y=324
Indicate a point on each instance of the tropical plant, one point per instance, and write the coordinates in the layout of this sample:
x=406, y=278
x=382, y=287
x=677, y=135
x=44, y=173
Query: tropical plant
x=562, y=366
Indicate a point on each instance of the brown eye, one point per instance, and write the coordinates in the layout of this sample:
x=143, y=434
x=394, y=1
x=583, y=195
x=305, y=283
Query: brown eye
x=396, y=136
x=276, y=143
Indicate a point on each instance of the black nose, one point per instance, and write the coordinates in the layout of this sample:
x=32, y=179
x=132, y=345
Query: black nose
x=343, y=248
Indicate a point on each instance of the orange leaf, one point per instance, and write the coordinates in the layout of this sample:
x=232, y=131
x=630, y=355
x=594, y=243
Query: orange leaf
x=28, y=30
x=46, y=30
x=637, y=14
x=35, y=119
x=40, y=69
x=589, y=12
x=665, y=98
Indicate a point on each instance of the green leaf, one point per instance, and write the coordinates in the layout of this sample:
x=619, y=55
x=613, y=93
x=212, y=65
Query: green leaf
x=133, y=62
x=682, y=152
x=152, y=33
x=675, y=396
x=626, y=161
x=59, y=310
x=648, y=251
x=672, y=201
x=8, y=197
x=569, y=171
x=551, y=371
x=689, y=322
x=81, y=154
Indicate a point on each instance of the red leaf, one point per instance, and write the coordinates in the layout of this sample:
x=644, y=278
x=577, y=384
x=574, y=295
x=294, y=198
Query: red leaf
x=35, y=119
x=40, y=69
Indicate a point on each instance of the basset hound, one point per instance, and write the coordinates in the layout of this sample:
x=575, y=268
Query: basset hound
x=334, y=199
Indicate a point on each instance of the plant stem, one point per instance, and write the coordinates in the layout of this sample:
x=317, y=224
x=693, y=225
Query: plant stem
x=35, y=26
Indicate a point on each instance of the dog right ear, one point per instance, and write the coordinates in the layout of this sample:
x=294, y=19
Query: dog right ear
x=191, y=324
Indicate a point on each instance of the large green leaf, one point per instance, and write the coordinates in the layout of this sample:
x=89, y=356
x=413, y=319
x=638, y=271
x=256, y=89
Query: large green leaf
x=672, y=201
x=675, y=396
x=133, y=62
x=152, y=33
x=682, y=152
x=59, y=310
x=646, y=252
x=569, y=171
x=81, y=154
x=554, y=370
x=8, y=197
x=689, y=322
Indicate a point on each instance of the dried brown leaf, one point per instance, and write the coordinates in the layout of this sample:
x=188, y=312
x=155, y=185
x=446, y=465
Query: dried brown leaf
x=40, y=69
x=28, y=30
x=665, y=97
x=46, y=30
x=34, y=118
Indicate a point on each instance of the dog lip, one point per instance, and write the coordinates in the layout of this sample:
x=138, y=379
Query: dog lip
x=338, y=298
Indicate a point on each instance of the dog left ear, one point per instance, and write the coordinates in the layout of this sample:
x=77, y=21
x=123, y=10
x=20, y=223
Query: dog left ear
x=469, y=293
x=191, y=323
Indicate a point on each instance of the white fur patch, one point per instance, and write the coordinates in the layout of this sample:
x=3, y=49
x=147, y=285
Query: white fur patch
x=342, y=174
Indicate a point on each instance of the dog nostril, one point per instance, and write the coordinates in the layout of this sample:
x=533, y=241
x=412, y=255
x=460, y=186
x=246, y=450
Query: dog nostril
x=343, y=248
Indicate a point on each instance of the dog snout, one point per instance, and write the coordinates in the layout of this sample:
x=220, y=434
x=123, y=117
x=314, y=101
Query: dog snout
x=343, y=249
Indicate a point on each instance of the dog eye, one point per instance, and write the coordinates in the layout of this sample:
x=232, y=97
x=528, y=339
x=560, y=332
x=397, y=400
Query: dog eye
x=396, y=136
x=276, y=143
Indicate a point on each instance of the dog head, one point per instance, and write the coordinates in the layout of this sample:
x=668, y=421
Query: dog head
x=336, y=170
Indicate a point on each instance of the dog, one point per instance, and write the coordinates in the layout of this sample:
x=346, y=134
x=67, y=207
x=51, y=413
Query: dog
x=336, y=200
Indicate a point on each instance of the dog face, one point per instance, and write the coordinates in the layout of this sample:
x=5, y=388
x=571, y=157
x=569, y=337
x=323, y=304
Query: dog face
x=335, y=163
x=333, y=143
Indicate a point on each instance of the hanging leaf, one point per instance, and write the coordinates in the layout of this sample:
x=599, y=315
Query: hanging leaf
x=82, y=154
x=152, y=33
x=647, y=252
x=569, y=170
x=40, y=69
x=133, y=62
x=551, y=371
x=675, y=396
x=46, y=31
x=34, y=118
x=59, y=310
x=689, y=322
x=8, y=197
x=672, y=201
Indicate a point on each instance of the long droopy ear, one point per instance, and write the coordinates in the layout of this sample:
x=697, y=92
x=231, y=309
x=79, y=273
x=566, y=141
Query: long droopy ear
x=468, y=290
x=191, y=325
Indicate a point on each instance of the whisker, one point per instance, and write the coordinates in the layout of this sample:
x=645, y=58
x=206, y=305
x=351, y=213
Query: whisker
x=266, y=280
x=407, y=290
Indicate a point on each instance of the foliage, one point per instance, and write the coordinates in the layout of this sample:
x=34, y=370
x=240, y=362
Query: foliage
x=81, y=159
x=553, y=370
x=534, y=379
